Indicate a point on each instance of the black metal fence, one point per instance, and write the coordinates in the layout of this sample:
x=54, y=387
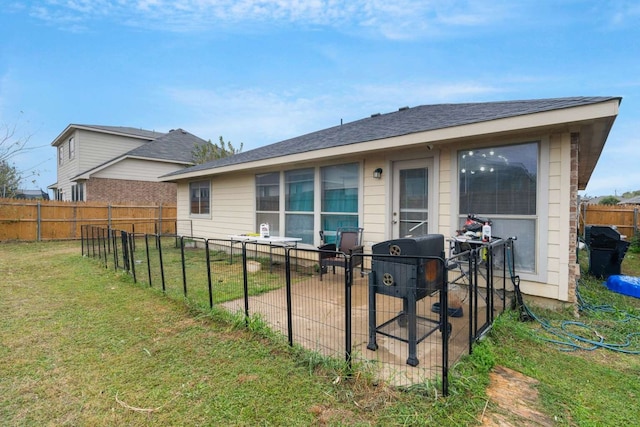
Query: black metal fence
x=382, y=321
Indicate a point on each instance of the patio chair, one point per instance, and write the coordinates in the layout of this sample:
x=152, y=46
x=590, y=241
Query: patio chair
x=349, y=243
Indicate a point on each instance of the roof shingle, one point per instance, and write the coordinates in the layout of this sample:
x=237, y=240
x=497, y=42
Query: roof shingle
x=402, y=122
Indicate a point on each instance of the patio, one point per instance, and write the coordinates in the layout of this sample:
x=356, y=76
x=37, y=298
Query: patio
x=318, y=321
x=330, y=314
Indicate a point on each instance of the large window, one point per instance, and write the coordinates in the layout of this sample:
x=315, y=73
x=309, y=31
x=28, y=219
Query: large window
x=200, y=197
x=296, y=204
x=502, y=183
x=339, y=198
x=268, y=201
x=299, y=191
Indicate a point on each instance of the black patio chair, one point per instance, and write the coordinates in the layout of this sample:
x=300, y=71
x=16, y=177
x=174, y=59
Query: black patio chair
x=349, y=243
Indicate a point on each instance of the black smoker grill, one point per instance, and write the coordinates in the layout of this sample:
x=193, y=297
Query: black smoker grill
x=397, y=270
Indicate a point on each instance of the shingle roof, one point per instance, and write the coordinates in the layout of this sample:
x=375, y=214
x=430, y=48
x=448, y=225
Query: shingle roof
x=632, y=201
x=176, y=145
x=402, y=122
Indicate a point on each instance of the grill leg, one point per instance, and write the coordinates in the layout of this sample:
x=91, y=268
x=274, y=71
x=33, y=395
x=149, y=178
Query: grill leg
x=409, y=305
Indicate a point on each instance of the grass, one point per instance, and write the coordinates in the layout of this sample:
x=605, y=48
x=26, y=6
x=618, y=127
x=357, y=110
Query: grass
x=84, y=345
x=226, y=272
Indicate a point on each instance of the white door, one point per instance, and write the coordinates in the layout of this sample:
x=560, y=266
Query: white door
x=411, y=188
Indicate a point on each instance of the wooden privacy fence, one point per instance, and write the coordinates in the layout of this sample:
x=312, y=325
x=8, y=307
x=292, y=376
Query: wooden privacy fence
x=624, y=217
x=33, y=220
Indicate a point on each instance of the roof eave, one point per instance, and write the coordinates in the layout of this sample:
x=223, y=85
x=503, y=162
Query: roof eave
x=600, y=116
x=87, y=174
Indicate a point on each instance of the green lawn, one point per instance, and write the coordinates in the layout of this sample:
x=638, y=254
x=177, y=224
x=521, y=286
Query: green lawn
x=84, y=345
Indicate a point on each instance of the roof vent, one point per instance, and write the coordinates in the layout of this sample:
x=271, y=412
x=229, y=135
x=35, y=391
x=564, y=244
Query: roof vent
x=375, y=114
x=403, y=108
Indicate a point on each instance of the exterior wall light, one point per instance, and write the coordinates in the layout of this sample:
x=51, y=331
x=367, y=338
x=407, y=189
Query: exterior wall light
x=377, y=174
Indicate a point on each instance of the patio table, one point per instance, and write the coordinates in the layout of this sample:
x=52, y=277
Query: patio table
x=280, y=241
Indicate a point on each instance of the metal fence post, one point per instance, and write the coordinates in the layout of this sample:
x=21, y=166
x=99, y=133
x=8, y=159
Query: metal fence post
x=125, y=249
x=347, y=313
x=207, y=257
x=184, y=269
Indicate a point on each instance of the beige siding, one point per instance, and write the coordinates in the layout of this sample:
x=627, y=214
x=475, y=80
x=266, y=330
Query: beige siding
x=232, y=208
x=554, y=221
x=137, y=170
x=182, y=210
x=67, y=170
x=375, y=204
x=233, y=205
x=563, y=156
x=445, y=194
x=93, y=148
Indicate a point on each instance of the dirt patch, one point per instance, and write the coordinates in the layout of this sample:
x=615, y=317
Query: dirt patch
x=513, y=401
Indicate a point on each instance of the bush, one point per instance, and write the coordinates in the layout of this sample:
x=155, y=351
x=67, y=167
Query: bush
x=635, y=243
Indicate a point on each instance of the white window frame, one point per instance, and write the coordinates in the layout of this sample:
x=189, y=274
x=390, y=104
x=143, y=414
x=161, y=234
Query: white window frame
x=317, y=202
x=72, y=148
x=274, y=228
x=542, y=202
x=208, y=205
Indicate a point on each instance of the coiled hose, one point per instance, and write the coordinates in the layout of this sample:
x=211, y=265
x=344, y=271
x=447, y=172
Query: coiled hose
x=572, y=335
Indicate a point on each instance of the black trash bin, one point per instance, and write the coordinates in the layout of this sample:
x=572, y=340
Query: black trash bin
x=606, y=250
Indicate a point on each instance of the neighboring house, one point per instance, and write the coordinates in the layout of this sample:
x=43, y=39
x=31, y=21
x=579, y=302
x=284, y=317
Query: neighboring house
x=32, y=194
x=415, y=171
x=120, y=164
x=632, y=201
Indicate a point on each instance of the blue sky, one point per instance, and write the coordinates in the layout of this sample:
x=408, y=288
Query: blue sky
x=257, y=72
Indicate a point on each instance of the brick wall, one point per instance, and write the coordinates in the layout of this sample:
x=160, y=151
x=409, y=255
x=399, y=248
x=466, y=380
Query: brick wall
x=128, y=191
x=574, y=267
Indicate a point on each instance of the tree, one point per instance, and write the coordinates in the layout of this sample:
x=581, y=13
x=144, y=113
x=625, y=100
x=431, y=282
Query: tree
x=630, y=194
x=13, y=144
x=206, y=152
x=609, y=200
x=9, y=179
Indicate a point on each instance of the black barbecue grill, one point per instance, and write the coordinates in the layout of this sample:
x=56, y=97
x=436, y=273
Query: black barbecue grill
x=411, y=269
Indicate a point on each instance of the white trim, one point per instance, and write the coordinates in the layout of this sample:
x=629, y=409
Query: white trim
x=73, y=128
x=532, y=123
x=433, y=186
x=540, y=273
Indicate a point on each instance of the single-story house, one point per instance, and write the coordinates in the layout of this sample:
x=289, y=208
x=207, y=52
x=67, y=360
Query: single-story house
x=416, y=171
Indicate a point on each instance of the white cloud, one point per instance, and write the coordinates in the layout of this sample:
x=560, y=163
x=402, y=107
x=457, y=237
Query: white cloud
x=400, y=19
x=624, y=14
x=257, y=117
x=251, y=116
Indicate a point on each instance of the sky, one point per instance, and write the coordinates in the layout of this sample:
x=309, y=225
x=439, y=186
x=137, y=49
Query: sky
x=260, y=71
